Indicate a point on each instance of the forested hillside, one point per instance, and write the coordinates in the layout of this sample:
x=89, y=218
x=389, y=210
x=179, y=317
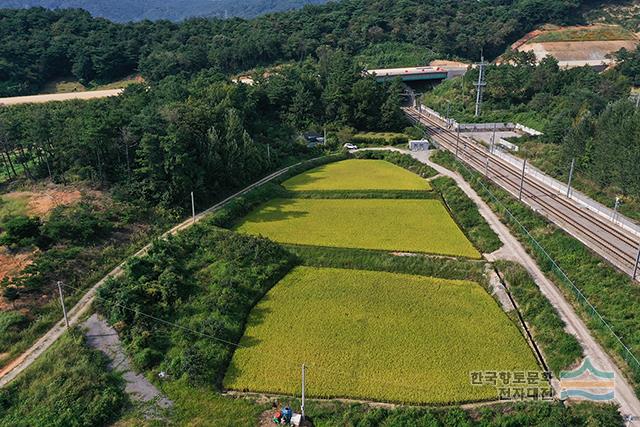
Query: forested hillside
x=157, y=144
x=137, y=10
x=37, y=45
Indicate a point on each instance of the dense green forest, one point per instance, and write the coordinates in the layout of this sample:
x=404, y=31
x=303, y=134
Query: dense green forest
x=584, y=115
x=137, y=10
x=157, y=143
x=37, y=45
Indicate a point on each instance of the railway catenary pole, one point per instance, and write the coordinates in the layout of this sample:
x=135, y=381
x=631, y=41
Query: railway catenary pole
x=486, y=168
x=524, y=168
x=493, y=138
x=635, y=267
x=573, y=164
x=457, y=140
x=616, y=206
x=64, y=309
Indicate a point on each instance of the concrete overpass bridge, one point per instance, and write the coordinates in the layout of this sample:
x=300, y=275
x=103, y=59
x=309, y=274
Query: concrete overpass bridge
x=417, y=74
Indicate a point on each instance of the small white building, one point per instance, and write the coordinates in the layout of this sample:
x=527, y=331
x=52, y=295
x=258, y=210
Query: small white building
x=419, y=145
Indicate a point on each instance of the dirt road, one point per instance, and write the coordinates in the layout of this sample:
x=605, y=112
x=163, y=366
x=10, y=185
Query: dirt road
x=39, y=99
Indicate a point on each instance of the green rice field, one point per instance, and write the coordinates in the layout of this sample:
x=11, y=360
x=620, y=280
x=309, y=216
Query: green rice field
x=376, y=335
x=422, y=226
x=356, y=174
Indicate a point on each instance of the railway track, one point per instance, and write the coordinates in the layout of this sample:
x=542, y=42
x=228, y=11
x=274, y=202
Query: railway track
x=612, y=243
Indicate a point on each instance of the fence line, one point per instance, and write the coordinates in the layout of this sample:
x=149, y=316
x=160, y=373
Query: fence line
x=624, y=351
x=479, y=127
x=576, y=195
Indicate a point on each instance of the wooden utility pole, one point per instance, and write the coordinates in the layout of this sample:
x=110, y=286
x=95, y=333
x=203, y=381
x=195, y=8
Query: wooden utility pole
x=193, y=208
x=303, y=385
x=64, y=309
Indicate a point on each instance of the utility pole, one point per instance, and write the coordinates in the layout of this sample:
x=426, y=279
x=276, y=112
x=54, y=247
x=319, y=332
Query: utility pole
x=573, y=164
x=480, y=85
x=614, y=217
x=486, y=168
x=64, y=309
x=193, y=208
x=524, y=167
x=635, y=268
x=302, y=405
x=269, y=153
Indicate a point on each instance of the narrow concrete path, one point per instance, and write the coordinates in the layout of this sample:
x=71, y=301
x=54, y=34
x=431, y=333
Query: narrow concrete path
x=514, y=251
x=103, y=337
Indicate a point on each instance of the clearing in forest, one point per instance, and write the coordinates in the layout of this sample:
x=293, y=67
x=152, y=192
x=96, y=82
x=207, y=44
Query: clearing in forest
x=422, y=226
x=377, y=335
x=357, y=174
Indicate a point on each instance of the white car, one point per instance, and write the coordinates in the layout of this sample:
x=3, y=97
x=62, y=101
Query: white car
x=350, y=146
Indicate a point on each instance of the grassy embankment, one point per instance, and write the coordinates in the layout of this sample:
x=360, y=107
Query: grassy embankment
x=68, y=385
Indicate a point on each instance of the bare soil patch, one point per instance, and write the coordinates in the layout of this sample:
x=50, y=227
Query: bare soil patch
x=38, y=99
x=10, y=264
x=578, y=50
x=41, y=203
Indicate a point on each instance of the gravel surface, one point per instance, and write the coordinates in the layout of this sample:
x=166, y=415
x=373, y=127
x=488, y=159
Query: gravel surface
x=103, y=337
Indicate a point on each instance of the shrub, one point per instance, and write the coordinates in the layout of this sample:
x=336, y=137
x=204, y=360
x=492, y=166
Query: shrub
x=11, y=322
x=21, y=230
x=376, y=138
x=82, y=223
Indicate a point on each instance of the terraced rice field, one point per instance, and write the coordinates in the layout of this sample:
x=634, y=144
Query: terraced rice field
x=357, y=174
x=376, y=335
x=396, y=225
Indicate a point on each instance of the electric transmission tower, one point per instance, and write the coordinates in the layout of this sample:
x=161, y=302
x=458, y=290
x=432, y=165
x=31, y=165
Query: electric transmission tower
x=480, y=84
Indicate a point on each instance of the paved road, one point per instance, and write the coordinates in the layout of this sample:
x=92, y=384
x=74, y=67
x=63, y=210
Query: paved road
x=611, y=241
x=39, y=99
x=514, y=251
